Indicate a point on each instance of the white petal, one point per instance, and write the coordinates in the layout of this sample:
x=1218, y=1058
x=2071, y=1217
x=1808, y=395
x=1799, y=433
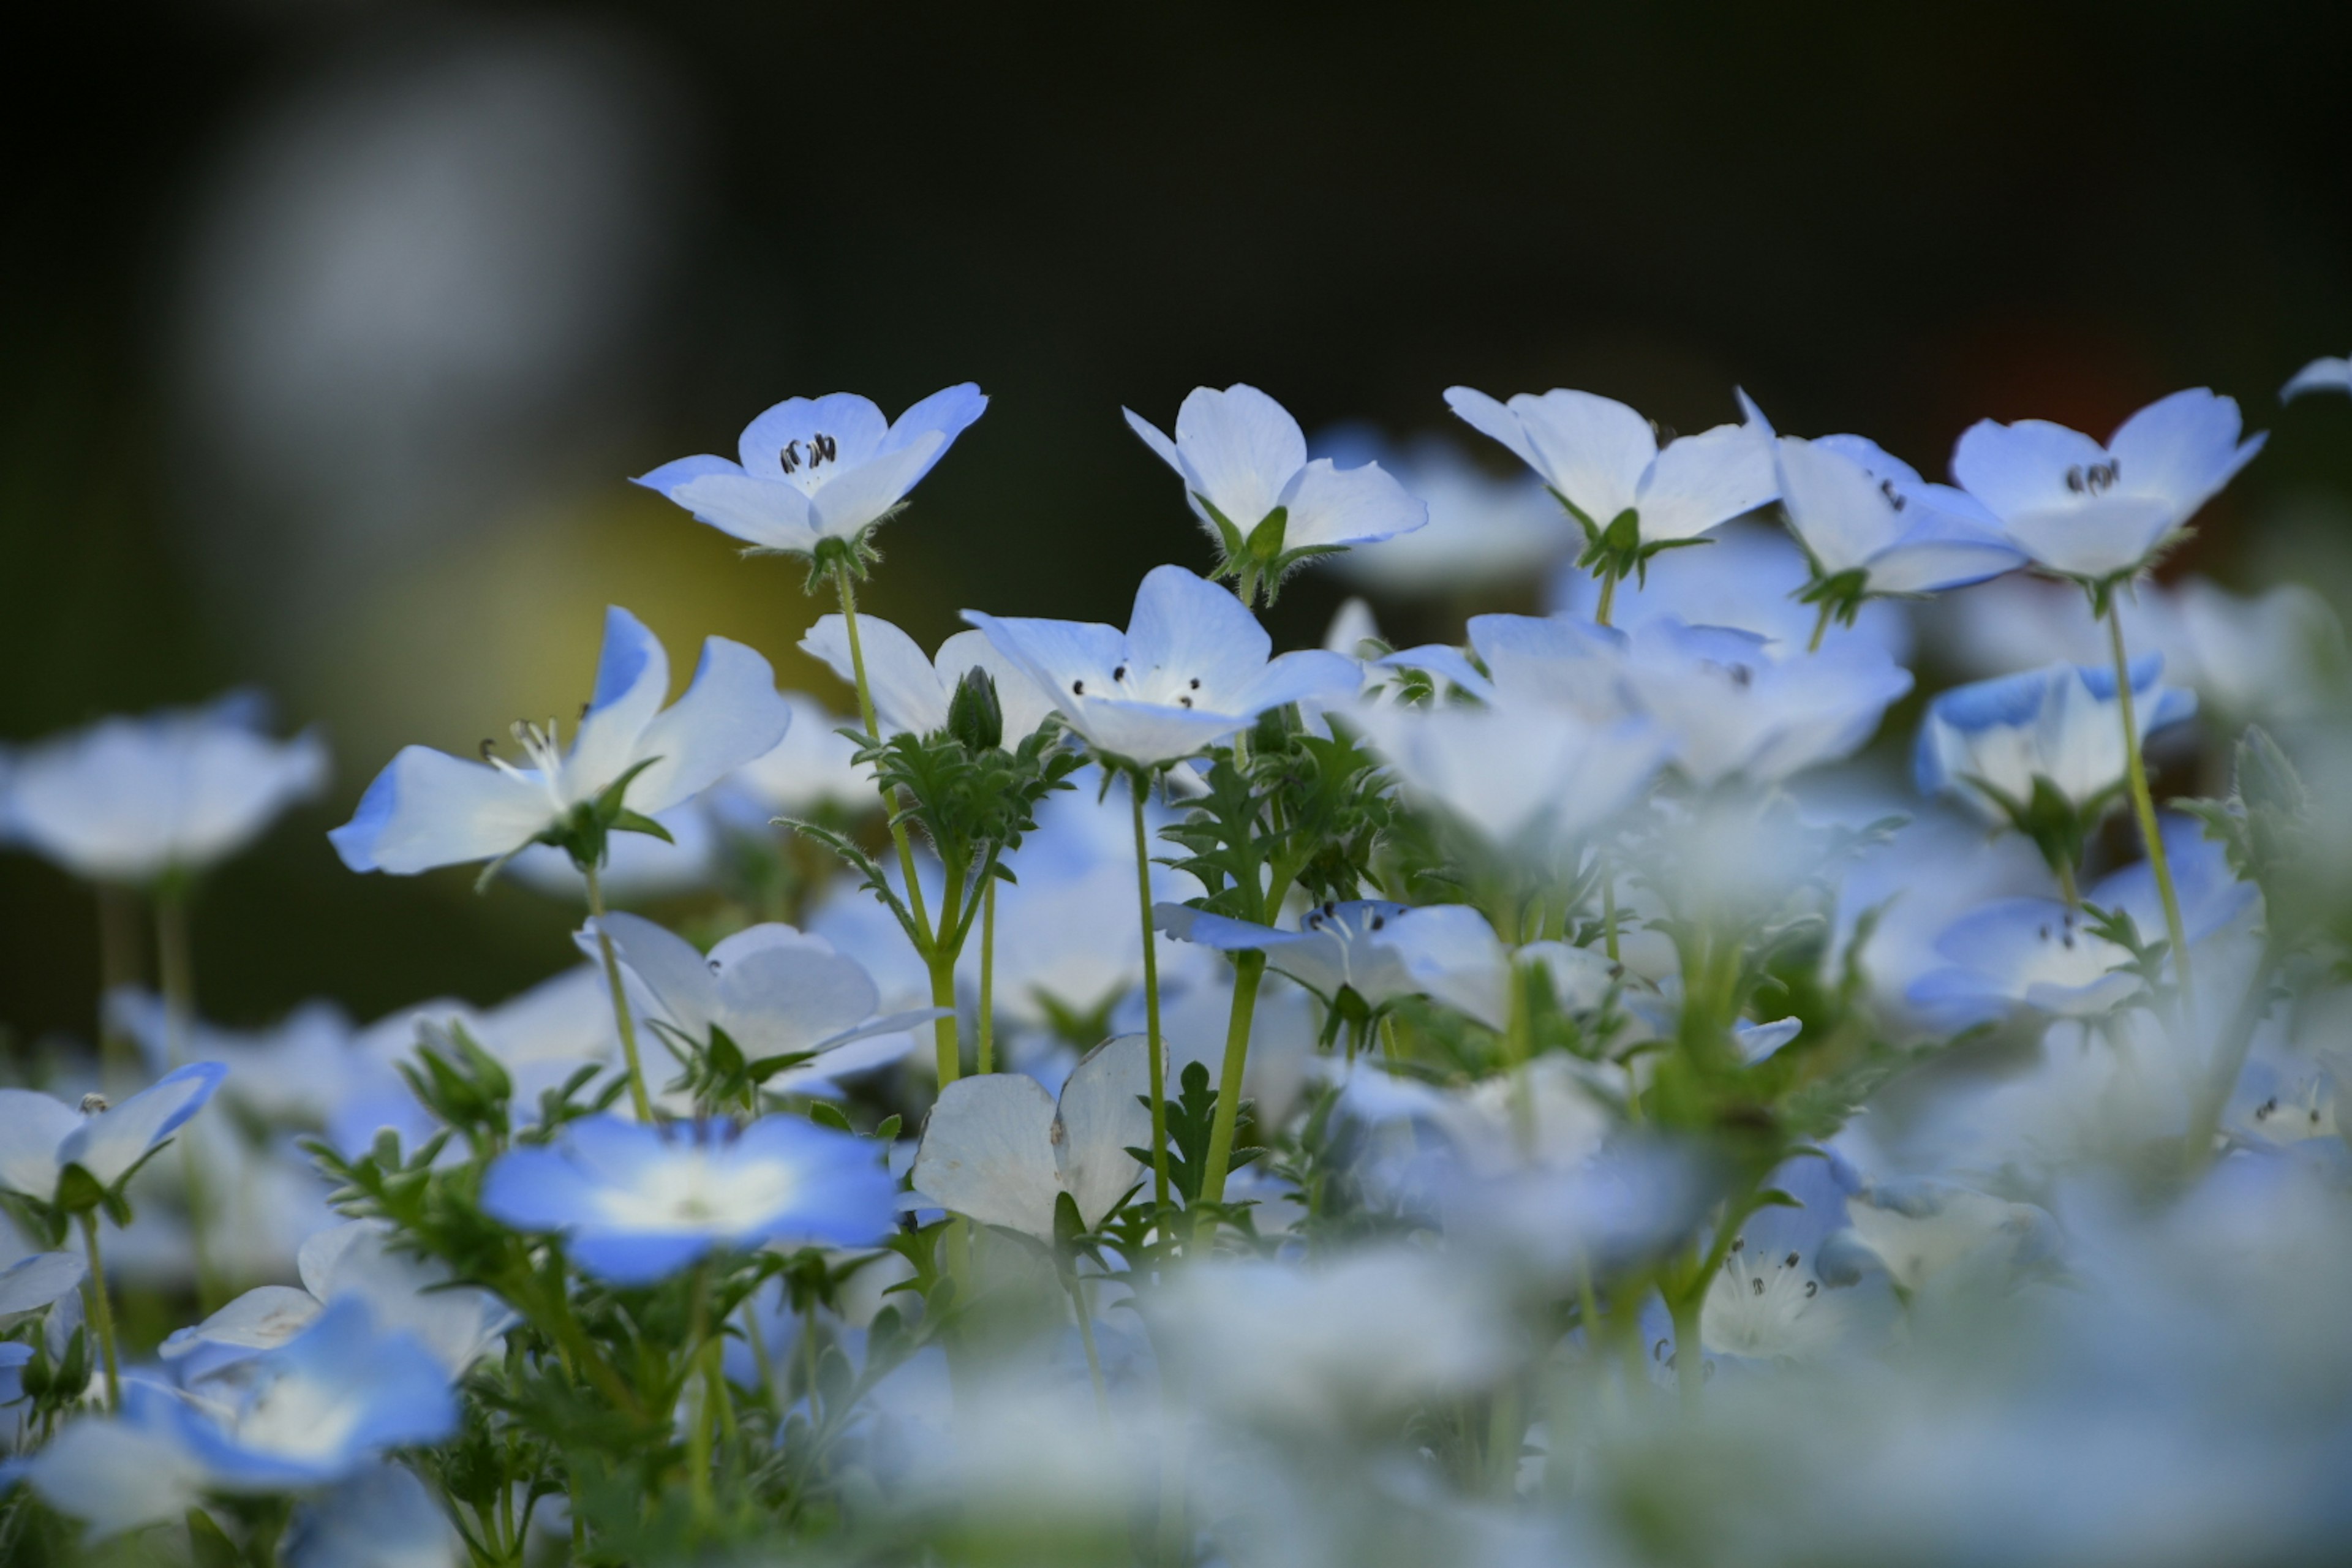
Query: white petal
x=632, y=679
x=678, y=978
x=1593, y=449
x=787, y=999
x=1185, y=627
x=1244, y=445
x=909, y=697
x=429, y=808
x=1702, y=481
x=2021, y=468
x=262, y=1319
x=107, y=1144
x=987, y=1153
x=729, y=715
x=1834, y=505
x=2323, y=375
x=1331, y=505
x=846, y=504
x=1102, y=1116
x=31, y=1283
x=31, y=1127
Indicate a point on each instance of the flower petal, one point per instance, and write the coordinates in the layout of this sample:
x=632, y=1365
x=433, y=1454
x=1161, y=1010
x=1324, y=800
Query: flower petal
x=987, y=1153
x=910, y=697
x=32, y=1126
x=853, y=497
x=731, y=714
x=1102, y=1115
x=632, y=679
x=429, y=808
x=1331, y=505
x=1702, y=481
x=107, y=1144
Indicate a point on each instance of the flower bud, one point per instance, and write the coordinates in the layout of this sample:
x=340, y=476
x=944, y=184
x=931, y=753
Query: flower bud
x=974, y=718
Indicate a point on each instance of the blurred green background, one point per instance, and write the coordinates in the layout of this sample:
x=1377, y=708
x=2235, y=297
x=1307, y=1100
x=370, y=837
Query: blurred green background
x=332, y=332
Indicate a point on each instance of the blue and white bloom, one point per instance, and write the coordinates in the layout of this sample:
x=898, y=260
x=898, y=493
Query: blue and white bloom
x=1518, y=773
x=1736, y=704
x=813, y=768
x=911, y=693
x=1796, y=1284
x=818, y=469
x=403, y=1292
x=635, y=1202
x=1872, y=527
x=1191, y=668
x=1482, y=530
x=2096, y=513
x=30, y=1284
x=2326, y=374
x=1603, y=461
x=998, y=1149
x=1378, y=951
x=41, y=1137
x=771, y=990
x=1924, y=1229
x=1242, y=459
x=429, y=808
x=1987, y=743
x=134, y=800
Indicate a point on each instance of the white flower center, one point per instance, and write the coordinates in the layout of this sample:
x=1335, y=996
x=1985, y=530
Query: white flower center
x=1770, y=1307
x=686, y=1191
x=1155, y=685
x=299, y=1415
x=542, y=750
x=2296, y=1116
x=2064, y=954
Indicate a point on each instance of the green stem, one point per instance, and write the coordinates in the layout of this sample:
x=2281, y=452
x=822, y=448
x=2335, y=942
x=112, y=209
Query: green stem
x=2144, y=807
x=943, y=965
x=1249, y=970
x=638, y=1100
x=101, y=1311
x=1506, y=1431
x=1608, y=598
x=761, y=1359
x=2067, y=886
x=1608, y=910
x=698, y=1428
x=1516, y=1052
x=176, y=966
x=986, y=1044
x=1690, y=1356
x=848, y=595
x=1151, y=999
x=1821, y=626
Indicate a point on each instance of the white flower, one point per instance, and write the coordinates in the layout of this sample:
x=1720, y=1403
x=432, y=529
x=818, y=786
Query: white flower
x=1734, y=703
x=41, y=1136
x=1483, y=532
x=998, y=1149
x=132, y=800
x=911, y=693
x=1381, y=951
x=2084, y=511
x=2324, y=374
x=429, y=808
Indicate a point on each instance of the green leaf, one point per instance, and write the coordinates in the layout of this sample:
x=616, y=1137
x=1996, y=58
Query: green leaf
x=824, y=1113
x=208, y=1545
x=628, y=821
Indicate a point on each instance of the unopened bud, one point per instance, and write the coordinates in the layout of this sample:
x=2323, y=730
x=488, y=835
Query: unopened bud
x=974, y=716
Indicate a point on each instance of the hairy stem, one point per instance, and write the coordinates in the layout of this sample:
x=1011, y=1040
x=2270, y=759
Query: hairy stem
x=848, y=595
x=1249, y=968
x=1151, y=999
x=2144, y=807
x=101, y=1311
x=638, y=1100
x=986, y=1043
x=1608, y=598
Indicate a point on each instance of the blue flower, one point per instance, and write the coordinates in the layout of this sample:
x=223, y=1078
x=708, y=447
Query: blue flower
x=818, y=469
x=1866, y=516
x=30, y=1284
x=1381, y=951
x=1191, y=669
x=638, y=1202
x=41, y=1137
x=1986, y=743
x=2324, y=374
x=2093, y=512
x=429, y=808
x=1516, y=773
x=1483, y=532
x=1603, y=461
x=1242, y=459
x=132, y=800
x=1737, y=704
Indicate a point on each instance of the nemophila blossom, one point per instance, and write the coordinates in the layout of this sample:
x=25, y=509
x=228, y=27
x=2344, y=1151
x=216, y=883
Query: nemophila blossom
x=1735, y=704
x=2042, y=750
x=1376, y=950
x=403, y=1294
x=636, y=1202
x=1482, y=530
x=134, y=800
x=1196, y=1013
x=2096, y=513
x=812, y=770
x=1872, y=527
x=42, y=1137
x=1247, y=474
x=912, y=693
x=1603, y=461
x=630, y=759
x=820, y=469
x=1796, y=1284
x=2043, y=955
x=778, y=994
x=998, y=1149
x=380, y=1516
x=30, y=1284
x=1923, y=1230
x=1515, y=775
x=637, y=866
x=2326, y=374
x=1191, y=668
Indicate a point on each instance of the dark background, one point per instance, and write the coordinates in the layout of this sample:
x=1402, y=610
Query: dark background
x=332, y=332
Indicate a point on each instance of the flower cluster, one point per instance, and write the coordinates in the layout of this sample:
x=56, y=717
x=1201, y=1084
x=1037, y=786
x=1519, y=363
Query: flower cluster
x=1568, y=1094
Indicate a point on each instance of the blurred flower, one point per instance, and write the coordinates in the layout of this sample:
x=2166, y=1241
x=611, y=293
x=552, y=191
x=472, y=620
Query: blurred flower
x=770, y=989
x=1243, y=457
x=134, y=800
x=1195, y=1012
x=1796, y=1284
x=2094, y=513
x=998, y=1149
x=30, y=1284
x=812, y=769
x=1603, y=461
x=1749, y=576
x=1483, y=532
x=2322, y=375
x=1191, y=668
x=1922, y=1230
x=1520, y=773
x=636, y=1202
x=382, y=1517
x=40, y=1137
x=429, y=808
x=1378, y=950
x=1732, y=703
x=1986, y=745
x=911, y=693
x=818, y=469
x=404, y=1294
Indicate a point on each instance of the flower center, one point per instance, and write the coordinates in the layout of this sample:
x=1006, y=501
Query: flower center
x=2097, y=479
x=1766, y=1306
x=816, y=451
x=542, y=750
